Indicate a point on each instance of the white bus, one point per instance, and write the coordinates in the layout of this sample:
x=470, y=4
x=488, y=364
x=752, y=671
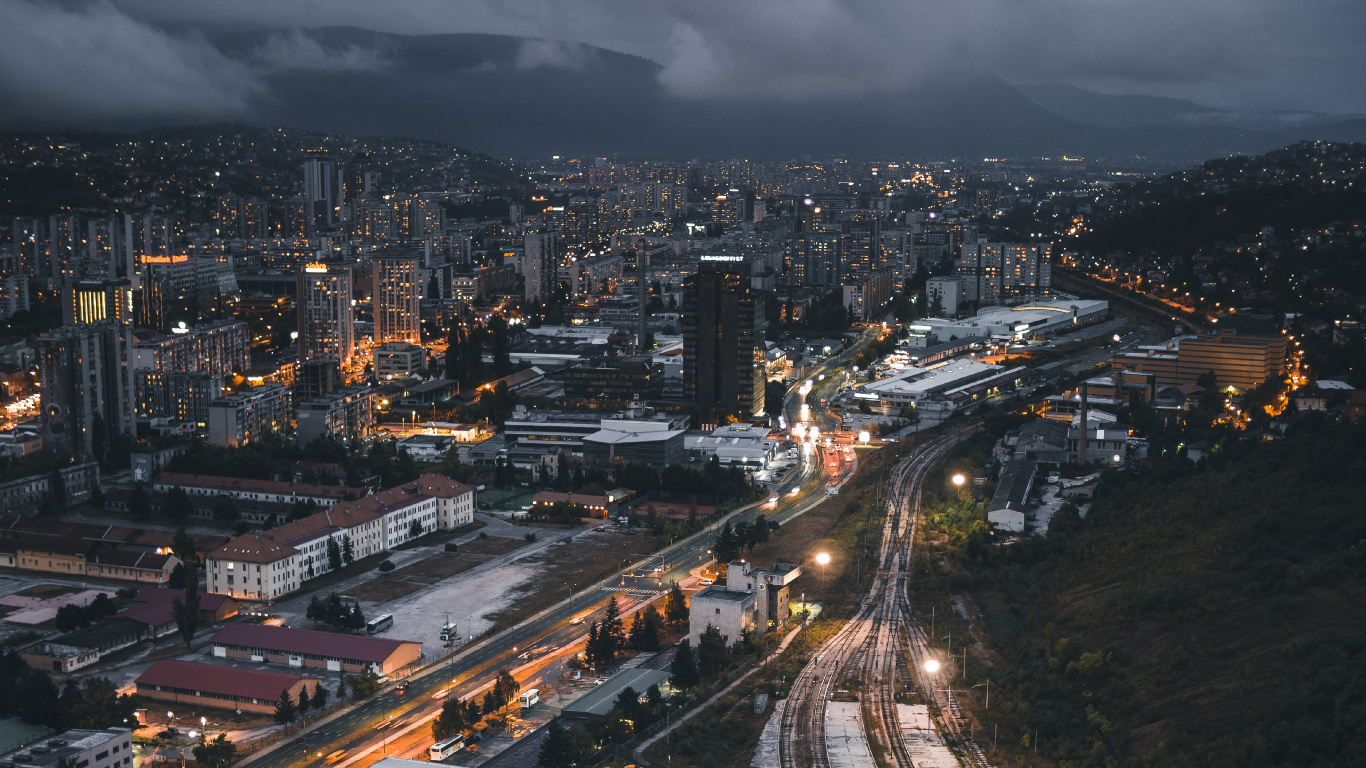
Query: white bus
x=379, y=624
x=444, y=749
x=530, y=697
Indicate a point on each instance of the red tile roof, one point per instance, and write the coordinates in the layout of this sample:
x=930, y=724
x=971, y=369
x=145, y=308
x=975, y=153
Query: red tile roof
x=219, y=680
x=217, y=482
x=326, y=644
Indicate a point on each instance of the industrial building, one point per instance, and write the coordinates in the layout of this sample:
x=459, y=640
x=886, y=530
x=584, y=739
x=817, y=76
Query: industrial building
x=309, y=649
x=1023, y=322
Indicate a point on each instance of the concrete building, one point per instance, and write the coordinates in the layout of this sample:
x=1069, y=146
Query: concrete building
x=751, y=599
x=347, y=414
x=943, y=292
x=109, y=748
x=326, y=316
x=249, y=415
x=398, y=360
x=308, y=649
x=85, y=375
x=723, y=337
x=219, y=687
x=395, y=300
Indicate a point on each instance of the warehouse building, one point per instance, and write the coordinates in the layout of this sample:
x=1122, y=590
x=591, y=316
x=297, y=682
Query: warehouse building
x=211, y=685
x=314, y=650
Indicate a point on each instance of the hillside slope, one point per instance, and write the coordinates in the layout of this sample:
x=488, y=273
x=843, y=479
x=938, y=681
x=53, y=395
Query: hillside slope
x=1210, y=616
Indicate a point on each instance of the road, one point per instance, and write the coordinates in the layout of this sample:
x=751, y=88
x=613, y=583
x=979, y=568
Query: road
x=870, y=645
x=365, y=728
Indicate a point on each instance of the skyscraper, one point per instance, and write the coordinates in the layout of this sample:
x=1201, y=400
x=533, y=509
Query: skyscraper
x=326, y=329
x=86, y=379
x=723, y=337
x=395, y=299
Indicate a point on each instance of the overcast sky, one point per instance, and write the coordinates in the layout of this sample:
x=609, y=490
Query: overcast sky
x=137, y=56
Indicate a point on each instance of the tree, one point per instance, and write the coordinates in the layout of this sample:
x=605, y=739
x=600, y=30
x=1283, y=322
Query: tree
x=37, y=699
x=558, y=749
x=139, y=505
x=711, y=651
x=186, y=612
x=216, y=753
x=334, y=555
x=675, y=606
x=726, y=547
x=182, y=546
x=285, y=712
x=319, y=697
x=177, y=505
x=304, y=702
x=645, y=630
x=683, y=673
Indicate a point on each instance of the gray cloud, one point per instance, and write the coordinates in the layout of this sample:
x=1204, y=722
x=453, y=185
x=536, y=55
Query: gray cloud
x=1294, y=54
x=298, y=52
x=96, y=62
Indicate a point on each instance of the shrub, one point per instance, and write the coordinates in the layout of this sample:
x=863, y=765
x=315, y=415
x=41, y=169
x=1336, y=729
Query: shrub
x=386, y=566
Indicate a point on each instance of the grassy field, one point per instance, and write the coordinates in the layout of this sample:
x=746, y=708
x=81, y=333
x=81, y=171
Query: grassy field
x=1211, y=616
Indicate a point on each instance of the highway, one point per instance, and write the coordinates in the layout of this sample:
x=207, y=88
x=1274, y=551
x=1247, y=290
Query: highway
x=369, y=724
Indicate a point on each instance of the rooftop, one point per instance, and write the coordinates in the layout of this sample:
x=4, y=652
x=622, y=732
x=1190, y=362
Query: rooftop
x=330, y=645
x=220, y=680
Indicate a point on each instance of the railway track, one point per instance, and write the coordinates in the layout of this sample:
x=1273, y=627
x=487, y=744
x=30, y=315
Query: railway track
x=871, y=643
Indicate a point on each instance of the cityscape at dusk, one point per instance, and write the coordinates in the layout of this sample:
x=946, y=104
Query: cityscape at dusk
x=598, y=384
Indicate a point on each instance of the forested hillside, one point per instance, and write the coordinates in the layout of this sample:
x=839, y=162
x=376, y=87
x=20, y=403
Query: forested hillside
x=1210, y=615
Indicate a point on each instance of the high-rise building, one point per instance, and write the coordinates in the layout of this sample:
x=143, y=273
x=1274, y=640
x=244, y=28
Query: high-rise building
x=395, y=299
x=539, y=264
x=326, y=317
x=320, y=190
x=723, y=337
x=85, y=374
x=94, y=301
x=1005, y=273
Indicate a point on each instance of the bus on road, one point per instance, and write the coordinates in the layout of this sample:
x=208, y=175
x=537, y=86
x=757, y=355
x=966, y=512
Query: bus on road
x=379, y=624
x=444, y=749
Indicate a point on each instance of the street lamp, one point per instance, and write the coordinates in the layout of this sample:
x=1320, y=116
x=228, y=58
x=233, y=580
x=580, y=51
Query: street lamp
x=823, y=559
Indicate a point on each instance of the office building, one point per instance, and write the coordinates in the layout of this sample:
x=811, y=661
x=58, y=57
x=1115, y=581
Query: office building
x=398, y=360
x=249, y=415
x=86, y=377
x=93, y=301
x=395, y=300
x=723, y=337
x=326, y=315
x=614, y=378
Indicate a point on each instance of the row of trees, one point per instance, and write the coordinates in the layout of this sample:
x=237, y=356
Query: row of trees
x=335, y=613
x=461, y=715
x=287, y=710
x=742, y=537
